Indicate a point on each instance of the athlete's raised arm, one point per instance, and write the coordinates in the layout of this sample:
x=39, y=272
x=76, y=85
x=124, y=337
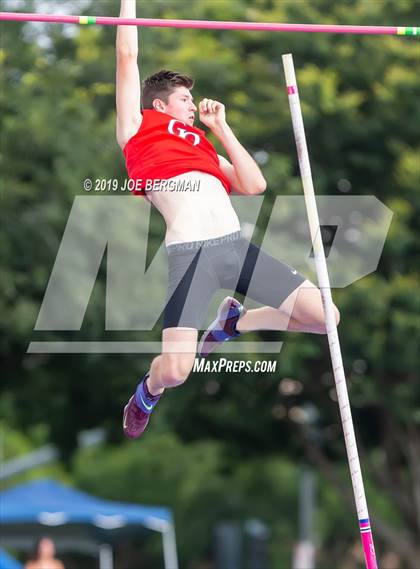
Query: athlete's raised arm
x=243, y=173
x=128, y=78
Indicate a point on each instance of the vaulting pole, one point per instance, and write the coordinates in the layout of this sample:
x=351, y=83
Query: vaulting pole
x=211, y=25
x=333, y=340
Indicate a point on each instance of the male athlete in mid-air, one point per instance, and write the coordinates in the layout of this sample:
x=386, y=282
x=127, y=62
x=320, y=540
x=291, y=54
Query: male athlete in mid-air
x=206, y=252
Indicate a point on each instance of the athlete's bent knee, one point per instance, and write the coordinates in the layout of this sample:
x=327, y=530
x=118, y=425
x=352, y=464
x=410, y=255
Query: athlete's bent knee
x=337, y=315
x=337, y=320
x=175, y=369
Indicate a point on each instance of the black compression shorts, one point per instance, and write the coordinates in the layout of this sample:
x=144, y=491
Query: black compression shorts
x=198, y=269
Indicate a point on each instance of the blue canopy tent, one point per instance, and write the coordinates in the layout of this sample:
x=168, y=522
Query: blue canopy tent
x=8, y=562
x=51, y=504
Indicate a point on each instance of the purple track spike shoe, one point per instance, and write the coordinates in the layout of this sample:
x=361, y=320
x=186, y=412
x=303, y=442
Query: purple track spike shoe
x=137, y=411
x=135, y=420
x=223, y=328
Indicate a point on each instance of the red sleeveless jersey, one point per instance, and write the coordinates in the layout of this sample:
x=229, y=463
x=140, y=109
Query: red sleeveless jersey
x=165, y=147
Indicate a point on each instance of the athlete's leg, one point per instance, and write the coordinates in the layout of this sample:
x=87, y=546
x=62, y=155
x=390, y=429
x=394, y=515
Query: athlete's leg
x=190, y=290
x=173, y=366
x=290, y=302
x=301, y=311
x=169, y=369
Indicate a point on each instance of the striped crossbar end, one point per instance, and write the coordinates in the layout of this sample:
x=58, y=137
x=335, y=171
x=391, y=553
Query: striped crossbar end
x=408, y=31
x=87, y=20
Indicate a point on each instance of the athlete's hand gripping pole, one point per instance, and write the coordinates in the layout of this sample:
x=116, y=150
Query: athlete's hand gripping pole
x=333, y=340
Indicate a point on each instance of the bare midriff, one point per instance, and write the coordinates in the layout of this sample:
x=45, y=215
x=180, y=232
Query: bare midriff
x=195, y=206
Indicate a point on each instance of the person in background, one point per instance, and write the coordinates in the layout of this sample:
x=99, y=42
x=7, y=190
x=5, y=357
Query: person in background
x=44, y=556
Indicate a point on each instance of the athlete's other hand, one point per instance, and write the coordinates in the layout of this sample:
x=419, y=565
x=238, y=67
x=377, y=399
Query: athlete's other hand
x=212, y=113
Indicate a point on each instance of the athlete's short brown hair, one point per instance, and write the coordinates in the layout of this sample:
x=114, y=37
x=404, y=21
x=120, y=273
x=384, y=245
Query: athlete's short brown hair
x=161, y=84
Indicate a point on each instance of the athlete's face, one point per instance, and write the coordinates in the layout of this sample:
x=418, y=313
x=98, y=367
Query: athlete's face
x=180, y=105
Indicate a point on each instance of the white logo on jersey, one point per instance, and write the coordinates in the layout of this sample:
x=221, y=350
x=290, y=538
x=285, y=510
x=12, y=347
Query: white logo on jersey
x=173, y=129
